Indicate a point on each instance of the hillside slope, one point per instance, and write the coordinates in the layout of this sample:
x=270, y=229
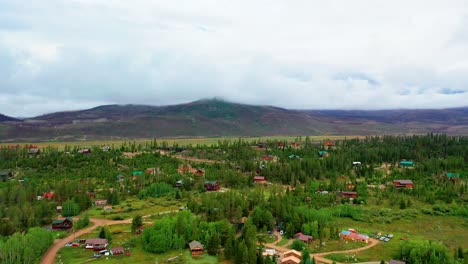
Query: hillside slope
x=219, y=118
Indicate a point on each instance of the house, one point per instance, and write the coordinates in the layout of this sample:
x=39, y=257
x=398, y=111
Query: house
x=66, y=223
x=293, y=253
x=48, y=195
x=269, y=252
x=323, y=153
x=291, y=260
x=150, y=171
x=352, y=235
x=117, y=251
x=406, y=163
x=356, y=163
x=5, y=175
x=392, y=261
x=329, y=144
x=100, y=202
x=84, y=151
x=196, y=248
x=34, y=151
x=137, y=173
x=269, y=158
x=304, y=238
x=259, y=179
x=349, y=194
x=96, y=244
x=105, y=148
x=295, y=144
x=453, y=176
x=179, y=184
x=186, y=168
x=58, y=208
x=212, y=185
x=403, y=184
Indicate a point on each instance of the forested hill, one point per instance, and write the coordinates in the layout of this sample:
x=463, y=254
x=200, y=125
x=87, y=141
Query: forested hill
x=220, y=118
x=4, y=118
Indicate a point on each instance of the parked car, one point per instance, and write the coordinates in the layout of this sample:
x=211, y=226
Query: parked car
x=387, y=239
x=96, y=255
x=382, y=238
x=390, y=235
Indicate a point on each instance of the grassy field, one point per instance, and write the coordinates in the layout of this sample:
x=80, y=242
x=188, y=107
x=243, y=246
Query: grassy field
x=134, y=206
x=334, y=245
x=451, y=231
x=170, y=141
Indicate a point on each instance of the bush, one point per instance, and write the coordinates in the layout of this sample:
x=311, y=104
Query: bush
x=298, y=245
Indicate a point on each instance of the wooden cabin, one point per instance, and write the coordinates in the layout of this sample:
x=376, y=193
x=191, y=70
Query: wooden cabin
x=62, y=224
x=212, y=186
x=196, y=248
x=403, y=184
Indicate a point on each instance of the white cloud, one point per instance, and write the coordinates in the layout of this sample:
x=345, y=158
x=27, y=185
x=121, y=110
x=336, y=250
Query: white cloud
x=360, y=54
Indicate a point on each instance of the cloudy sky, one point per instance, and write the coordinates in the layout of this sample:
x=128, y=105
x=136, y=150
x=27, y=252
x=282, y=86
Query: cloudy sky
x=360, y=54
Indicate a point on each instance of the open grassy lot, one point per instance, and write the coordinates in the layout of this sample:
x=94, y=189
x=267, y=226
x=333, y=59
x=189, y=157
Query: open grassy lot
x=134, y=206
x=334, y=245
x=170, y=141
x=451, y=231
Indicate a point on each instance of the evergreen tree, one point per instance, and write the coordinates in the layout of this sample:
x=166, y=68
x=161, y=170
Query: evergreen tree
x=137, y=222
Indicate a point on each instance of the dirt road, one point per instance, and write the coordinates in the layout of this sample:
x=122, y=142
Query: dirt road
x=49, y=256
x=319, y=257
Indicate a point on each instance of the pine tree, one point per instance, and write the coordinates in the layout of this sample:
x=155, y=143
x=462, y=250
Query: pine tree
x=137, y=221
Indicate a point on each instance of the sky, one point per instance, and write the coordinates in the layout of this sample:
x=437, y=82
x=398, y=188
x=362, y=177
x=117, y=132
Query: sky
x=60, y=55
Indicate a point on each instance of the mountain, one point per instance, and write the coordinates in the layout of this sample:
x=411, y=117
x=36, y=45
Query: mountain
x=211, y=118
x=4, y=118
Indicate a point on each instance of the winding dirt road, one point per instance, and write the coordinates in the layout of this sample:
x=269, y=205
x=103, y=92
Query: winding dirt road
x=320, y=257
x=49, y=256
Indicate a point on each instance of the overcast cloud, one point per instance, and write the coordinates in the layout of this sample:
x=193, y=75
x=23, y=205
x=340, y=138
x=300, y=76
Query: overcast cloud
x=360, y=54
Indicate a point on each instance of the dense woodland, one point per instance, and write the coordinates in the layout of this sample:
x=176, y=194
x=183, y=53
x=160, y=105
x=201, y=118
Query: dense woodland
x=302, y=193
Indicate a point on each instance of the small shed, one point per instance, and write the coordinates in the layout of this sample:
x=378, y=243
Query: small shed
x=259, y=179
x=212, y=185
x=117, y=251
x=349, y=194
x=406, y=163
x=196, y=248
x=403, y=184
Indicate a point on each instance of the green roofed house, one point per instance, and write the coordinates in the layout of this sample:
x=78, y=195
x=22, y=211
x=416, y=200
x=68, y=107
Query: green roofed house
x=323, y=153
x=66, y=223
x=453, y=176
x=137, y=173
x=406, y=163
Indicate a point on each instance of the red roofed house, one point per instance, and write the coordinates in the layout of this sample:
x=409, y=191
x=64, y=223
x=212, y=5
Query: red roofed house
x=117, y=251
x=405, y=184
x=48, y=195
x=351, y=234
x=259, y=179
x=96, y=243
x=212, y=185
x=329, y=144
x=349, y=194
x=304, y=238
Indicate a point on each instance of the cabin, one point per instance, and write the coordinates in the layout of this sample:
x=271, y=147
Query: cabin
x=352, y=235
x=453, y=176
x=356, y=163
x=62, y=224
x=323, y=153
x=406, y=163
x=212, y=185
x=304, y=238
x=349, y=195
x=179, y=184
x=58, y=208
x=329, y=144
x=117, y=251
x=48, y=195
x=105, y=148
x=259, y=179
x=5, y=175
x=291, y=260
x=403, y=184
x=137, y=173
x=100, y=202
x=292, y=253
x=34, y=151
x=196, y=248
x=186, y=168
x=84, y=151
x=295, y=144
x=96, y=244
x=269, y=158
x=150, y=171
